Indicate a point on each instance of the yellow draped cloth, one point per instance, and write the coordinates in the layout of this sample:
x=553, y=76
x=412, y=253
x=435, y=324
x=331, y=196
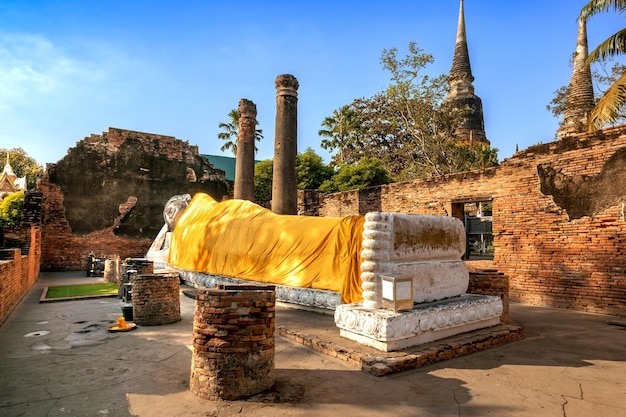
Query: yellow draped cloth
x=241, y=239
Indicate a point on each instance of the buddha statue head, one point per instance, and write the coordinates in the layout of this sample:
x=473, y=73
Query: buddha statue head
x=174, y=208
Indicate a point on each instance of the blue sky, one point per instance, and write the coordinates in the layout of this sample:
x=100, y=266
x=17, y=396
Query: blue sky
x=72, y=68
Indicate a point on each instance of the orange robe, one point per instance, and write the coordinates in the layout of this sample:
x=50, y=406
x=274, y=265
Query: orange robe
x=241, y=239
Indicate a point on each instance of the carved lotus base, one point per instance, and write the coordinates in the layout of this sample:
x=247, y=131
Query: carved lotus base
x=307, y=297
x=388, y=330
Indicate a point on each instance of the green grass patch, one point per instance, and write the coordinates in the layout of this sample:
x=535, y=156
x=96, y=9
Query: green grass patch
x=82, y=290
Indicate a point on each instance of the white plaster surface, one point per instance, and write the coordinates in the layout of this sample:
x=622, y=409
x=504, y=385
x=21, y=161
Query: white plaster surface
x=435, y=280
x=387, y=330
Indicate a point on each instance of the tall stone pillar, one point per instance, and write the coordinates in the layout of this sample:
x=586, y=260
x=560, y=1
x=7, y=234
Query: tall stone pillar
x=244, y=168
x=284, y=180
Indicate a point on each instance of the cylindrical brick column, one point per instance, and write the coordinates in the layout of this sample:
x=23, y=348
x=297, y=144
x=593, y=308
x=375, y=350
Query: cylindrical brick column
x=233, y=342
x=244, y=165
x=156, y=299
x=284, y=178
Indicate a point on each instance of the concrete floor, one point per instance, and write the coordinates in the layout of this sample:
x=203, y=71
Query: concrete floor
x=57, y=359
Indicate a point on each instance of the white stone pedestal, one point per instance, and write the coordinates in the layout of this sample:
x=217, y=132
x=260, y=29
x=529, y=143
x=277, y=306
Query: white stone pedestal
x=388, y=331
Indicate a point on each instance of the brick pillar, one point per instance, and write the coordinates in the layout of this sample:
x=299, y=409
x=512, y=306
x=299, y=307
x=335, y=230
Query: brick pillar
x=244, y=170
x=233, y=342
x=491, y=282
x=156, y=299
x=137, y=266
x=284, y=179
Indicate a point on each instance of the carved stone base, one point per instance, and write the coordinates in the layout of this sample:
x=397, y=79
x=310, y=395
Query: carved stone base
x=388, y=331
x=307, y=297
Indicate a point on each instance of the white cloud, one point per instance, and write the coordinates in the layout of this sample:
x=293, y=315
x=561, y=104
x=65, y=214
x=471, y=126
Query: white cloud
x=33, y=68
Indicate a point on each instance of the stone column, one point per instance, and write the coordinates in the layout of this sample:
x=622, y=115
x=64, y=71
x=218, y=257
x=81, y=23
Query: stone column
x=285, y=181
x=233, y=342
x=244, y=171
x=112, y=269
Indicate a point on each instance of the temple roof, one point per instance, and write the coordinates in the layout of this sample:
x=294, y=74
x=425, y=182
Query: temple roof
x=9, y=182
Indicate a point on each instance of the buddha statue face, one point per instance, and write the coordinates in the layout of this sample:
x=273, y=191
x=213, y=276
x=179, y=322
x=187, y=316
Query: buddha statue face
x=174, y=208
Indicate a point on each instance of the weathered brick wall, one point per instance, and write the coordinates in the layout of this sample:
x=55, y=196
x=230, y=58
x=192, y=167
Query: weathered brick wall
x=233, y=342
x=558, y=218
x=107, y=194
x=18, y=273
x=64, y=251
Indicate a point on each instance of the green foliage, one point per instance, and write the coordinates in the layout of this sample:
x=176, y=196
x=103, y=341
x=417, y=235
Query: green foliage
x=368, y=172
x=263, y=172
x=341, y=132
x=23, y=165
x=311, y=170
x=231, y=131
x=407, y=127
x=11, y=209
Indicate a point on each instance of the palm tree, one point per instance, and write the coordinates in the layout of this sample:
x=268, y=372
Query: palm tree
x=231, y=131
x=340, y=129
x=607, y=108
x=485, y=156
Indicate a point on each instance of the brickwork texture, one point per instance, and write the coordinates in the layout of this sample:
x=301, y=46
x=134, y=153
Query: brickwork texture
x=558, y=218
x=156, y=299
x=233, y=342
x=18, y=272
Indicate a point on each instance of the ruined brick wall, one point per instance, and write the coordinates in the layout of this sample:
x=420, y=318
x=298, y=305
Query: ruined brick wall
x=63, y=250
x=558, y=218
x=107, y=194
x=18, y=273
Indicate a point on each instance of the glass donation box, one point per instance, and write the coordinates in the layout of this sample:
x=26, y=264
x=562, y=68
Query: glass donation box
x=397, y=293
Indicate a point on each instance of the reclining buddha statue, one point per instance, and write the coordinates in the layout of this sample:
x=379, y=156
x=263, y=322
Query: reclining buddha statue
x=346, y=255
x=240, y=239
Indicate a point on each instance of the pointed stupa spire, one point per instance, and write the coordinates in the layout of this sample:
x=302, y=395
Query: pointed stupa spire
x=461, y=94
x=580, y=99
x=461, y=77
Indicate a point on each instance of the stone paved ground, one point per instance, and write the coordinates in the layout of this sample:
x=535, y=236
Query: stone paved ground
x=569, y=364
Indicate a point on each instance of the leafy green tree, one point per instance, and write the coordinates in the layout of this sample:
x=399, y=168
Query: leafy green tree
x=11, y=209
x=366, y=173
x=263, y=173
x=607, y=108
x=341, y=133
x=22, y=164
x=484, y=157
x=407, y=126
x=311, y=170
x=231, y=130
